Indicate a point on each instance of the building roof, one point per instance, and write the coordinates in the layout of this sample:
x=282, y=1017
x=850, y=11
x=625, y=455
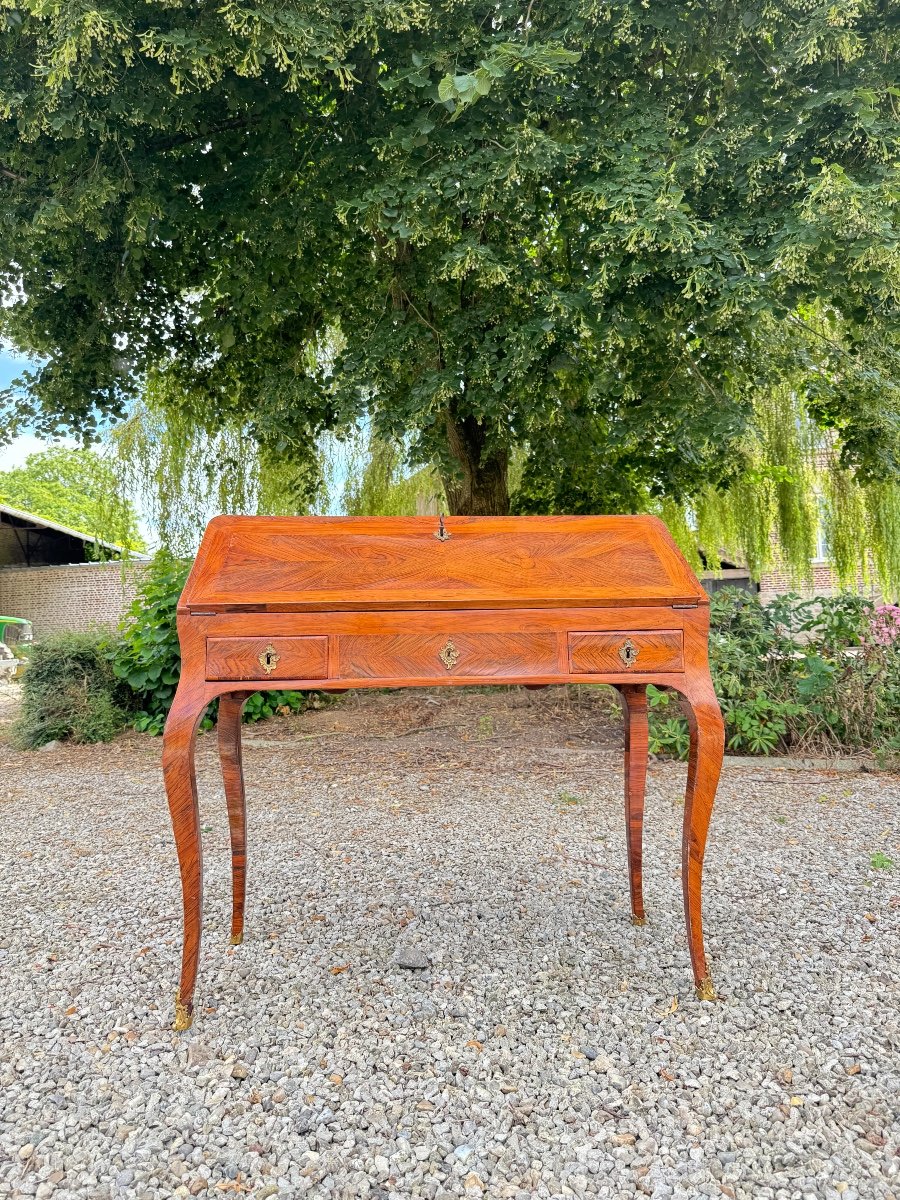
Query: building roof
x=31, y=521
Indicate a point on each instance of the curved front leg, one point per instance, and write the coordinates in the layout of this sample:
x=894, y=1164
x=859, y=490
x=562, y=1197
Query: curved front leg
x=179, y=771
x=636, y=743
x=231, y=706
x=704, y=765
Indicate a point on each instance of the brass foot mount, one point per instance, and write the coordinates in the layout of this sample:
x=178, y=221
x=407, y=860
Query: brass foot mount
x=237, y=939
x=184, y=1015
x=706, y=989
x=638, y=920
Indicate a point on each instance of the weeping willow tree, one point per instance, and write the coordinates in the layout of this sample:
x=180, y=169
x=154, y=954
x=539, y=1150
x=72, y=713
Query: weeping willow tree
x=379, y=483
x=181, y=473
x=801, y=471
x=761, y=495
x=794, y=486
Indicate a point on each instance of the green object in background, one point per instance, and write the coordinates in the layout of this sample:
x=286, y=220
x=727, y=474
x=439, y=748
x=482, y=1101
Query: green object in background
x=4, y=621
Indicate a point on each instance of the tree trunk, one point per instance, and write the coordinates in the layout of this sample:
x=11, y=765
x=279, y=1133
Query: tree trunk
x=481, y=487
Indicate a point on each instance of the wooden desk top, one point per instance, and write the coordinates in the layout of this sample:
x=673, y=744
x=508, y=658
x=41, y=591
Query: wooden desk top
x=319, y=564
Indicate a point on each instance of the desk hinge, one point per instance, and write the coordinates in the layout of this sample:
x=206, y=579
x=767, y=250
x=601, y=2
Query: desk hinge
x=685, y=606
x=194, y=613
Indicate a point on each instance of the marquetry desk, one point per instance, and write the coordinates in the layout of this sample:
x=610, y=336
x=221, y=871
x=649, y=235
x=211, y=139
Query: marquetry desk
x=331, y=603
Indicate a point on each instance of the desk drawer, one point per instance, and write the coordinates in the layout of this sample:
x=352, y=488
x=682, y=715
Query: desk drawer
x=267, y=658
x=438, y=655
x=612, y=653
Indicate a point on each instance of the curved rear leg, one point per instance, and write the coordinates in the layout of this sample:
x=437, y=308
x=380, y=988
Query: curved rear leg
x=180, y=776
x=231, y=706
x=636, y=740
x=704, y=765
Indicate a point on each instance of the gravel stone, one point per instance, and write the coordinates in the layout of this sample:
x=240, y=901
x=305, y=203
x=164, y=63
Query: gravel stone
x=550, y=1050
x=412, y=958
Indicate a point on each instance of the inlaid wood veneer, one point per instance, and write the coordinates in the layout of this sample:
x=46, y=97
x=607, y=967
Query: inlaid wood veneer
x=334, y=603
x=659, y=650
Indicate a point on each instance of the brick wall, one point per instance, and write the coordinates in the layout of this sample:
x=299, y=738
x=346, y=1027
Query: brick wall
x=74, y=597
x=824, y=583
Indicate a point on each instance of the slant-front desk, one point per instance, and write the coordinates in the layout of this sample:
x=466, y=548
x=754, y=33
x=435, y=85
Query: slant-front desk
x=336, y=603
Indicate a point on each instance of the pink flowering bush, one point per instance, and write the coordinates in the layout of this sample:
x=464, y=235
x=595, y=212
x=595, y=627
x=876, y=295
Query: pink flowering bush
x=885, y=625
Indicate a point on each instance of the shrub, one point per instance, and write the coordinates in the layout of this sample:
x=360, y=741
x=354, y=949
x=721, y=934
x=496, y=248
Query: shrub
x=148, y=656
x=668, y=729
x=818, y=675
x=69, y=690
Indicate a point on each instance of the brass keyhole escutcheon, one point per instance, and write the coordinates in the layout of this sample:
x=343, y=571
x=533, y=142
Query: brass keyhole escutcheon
x=268, y=660
x=628, y=653
x=449, y=656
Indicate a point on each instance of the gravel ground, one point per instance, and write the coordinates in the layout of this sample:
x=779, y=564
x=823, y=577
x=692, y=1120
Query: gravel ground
x=547, y=1049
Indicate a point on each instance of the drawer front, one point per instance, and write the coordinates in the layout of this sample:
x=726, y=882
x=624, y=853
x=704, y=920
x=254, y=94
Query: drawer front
x=267, y=658
x=440, y=655
x=613, y=653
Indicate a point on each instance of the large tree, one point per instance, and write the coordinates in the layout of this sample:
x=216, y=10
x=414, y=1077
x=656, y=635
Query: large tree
x=77, y=488
x=561, y=225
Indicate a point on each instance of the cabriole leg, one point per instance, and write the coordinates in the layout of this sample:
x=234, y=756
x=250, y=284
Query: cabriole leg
x=636, y=739
x=704, y=765
x=180, y=777
x=231, y=707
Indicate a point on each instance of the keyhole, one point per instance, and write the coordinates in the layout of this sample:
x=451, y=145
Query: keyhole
x=268, y=660
x=628, y=653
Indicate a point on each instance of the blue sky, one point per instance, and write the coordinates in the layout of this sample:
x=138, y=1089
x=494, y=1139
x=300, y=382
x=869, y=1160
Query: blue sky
x=9, y=367
x=14, y=454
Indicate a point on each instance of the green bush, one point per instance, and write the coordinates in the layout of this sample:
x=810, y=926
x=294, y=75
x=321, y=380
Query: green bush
x=668, y=729
x=148, y=657
x=69, y=690
x=808, y=676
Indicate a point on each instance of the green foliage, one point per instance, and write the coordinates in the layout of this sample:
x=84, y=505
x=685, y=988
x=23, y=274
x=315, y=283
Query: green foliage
x=148, y=657
x=377, y=485
x=77, y=488
x=756, y=723
x=881, y=862
x=566, y=801
x=796, y=675
x=795, y=479
x=87, y=686
x=669, y=735
x=69, y=691
x=566, y=229
x=267, y=704
x=187, y=470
